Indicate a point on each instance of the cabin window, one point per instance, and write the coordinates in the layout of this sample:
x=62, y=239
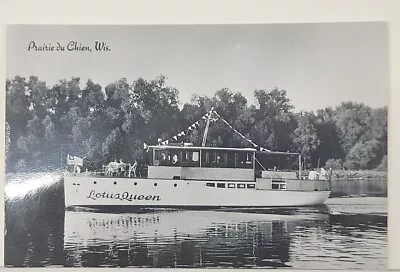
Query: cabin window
x=241, y=160
x=157, y=156
x=249, y=157
x=204, y=158
x=195, y=156
x=221, y=185
x=231, y=185
x=249, y=160
x=278, y=185
x=210, y=184
x=213, y=157
x=185, y=156
x=231, y=160
x=241, y=185
x=251, y=186
x=221, y=157
x=175, y=159
x=165, y=158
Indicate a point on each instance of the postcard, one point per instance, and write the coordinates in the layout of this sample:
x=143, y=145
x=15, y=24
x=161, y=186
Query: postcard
x=197, y=146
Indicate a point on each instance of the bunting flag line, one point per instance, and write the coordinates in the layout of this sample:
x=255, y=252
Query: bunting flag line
x=241, y=135
x=208, y=116
x=191, y=127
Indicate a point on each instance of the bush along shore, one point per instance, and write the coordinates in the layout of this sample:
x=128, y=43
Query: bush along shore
x=359, y=175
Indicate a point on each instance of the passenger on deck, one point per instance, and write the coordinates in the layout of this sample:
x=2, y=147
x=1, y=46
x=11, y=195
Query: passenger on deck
x=313, y=175
x=77, y=169
x=175, y=159
x=132, y=169
x=330, y=173
x=322, y=174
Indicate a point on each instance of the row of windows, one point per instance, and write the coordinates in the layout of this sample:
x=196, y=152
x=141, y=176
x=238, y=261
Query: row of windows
x=232, y=185
x=203, y=158
x=276, y=185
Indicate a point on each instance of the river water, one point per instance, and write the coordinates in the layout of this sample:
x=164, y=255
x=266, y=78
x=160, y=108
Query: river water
x=346, y=233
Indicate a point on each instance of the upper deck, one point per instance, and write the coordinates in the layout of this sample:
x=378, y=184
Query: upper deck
x=203, y=157
x=205, y=163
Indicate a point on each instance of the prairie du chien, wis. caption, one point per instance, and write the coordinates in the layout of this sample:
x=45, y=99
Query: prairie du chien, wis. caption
x=71, y=46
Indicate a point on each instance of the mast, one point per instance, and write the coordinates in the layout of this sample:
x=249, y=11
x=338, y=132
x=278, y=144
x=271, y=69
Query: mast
x=206, y=129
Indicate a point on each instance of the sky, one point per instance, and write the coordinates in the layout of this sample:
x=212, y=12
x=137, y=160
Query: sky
x=319, y=65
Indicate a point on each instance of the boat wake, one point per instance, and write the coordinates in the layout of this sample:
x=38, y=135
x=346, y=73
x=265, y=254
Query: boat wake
x=19, y=186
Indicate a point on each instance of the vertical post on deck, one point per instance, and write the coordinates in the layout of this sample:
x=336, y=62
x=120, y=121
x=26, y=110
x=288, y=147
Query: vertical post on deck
x=300, y=167
x=200, y=158
x=254, y=165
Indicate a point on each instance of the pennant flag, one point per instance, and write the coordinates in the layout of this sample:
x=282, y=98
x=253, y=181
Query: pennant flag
x=175, y=138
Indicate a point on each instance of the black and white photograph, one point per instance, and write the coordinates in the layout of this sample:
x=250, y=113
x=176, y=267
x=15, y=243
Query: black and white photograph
x=197, y=146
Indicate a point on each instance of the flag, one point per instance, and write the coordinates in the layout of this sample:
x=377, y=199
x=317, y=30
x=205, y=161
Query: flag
x=74, y=160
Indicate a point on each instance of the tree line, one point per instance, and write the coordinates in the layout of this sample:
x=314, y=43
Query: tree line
x=45, y=123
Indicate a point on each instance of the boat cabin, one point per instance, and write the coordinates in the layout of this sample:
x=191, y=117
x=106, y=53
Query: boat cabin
x=202, y=163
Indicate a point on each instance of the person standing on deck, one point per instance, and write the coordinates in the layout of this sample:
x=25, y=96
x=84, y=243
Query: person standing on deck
x=133, y=169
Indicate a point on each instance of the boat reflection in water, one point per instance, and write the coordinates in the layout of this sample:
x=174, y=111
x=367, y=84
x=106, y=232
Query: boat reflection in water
x=186, y=238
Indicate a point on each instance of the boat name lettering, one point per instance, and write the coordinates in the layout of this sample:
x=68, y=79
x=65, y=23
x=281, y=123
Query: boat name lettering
x=124, y=196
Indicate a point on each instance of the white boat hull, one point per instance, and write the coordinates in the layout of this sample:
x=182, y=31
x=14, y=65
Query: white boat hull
x=81, y=190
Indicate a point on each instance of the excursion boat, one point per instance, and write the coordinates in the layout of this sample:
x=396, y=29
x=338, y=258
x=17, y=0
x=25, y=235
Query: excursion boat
x=187, y=176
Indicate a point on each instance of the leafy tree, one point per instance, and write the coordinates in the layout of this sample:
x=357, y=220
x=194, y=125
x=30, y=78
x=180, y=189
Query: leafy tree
x=351, y=121
x=305, y=137
x=383, y=166
x=274, y=120
x=362, y=155
x=335, y=164
x=330, y=143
